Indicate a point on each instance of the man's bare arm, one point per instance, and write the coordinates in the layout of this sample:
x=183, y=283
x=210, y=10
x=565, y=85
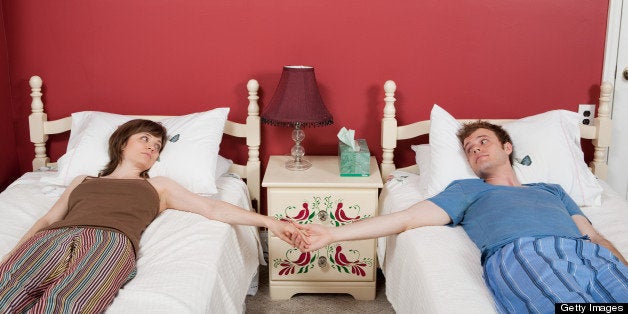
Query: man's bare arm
x=585, y=227
x=424, y=213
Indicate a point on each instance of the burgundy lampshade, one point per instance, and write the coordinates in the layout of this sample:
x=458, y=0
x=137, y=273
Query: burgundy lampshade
x=297, y=100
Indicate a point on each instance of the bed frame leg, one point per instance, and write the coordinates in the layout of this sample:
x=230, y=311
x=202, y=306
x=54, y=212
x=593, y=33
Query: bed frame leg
x=603, y=125
x=389, y=130
x=36, y=121
x=253, y=139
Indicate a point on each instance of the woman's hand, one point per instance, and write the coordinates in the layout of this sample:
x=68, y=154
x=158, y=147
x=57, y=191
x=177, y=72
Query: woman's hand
x=317, y=237
x=288, y=232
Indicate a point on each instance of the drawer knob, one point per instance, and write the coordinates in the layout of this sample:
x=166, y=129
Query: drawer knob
x=322, y=216
x=322, y=262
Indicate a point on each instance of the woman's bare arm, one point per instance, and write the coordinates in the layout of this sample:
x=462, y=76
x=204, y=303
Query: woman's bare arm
x=175, y=196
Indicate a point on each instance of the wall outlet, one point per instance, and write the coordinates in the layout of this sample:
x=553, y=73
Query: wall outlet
x=587, y=113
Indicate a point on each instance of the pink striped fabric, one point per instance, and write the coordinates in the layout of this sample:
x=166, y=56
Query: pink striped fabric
x=67, y=270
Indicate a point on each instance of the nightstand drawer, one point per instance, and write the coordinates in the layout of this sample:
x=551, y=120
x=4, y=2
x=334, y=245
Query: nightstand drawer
x=320, y=195
x=342, y=261
x=333, y=207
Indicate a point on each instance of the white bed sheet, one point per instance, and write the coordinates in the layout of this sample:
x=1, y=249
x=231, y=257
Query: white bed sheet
x=437, y=269
x=186, y=263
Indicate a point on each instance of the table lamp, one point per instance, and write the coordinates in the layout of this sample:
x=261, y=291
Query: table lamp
x=297, y=103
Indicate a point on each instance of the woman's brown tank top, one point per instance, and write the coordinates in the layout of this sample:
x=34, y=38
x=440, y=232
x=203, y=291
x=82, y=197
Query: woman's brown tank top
x=125, y=205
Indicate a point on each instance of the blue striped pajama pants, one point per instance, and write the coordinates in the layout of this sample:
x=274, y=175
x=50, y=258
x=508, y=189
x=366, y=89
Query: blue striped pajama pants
x=530, y=274
x=66, y=270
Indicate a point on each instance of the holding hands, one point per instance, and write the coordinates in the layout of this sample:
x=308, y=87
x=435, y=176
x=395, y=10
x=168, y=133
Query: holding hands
x=289, y=232
x=307, y=237
x=313, y=237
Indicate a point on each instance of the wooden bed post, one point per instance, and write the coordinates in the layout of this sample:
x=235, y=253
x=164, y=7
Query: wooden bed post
x=253, y=130
x=389, y=130
x=36, y=121
x=603, y=125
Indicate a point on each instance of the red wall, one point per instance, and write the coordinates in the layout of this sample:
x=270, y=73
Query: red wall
x=490, y=58
x=9, y=167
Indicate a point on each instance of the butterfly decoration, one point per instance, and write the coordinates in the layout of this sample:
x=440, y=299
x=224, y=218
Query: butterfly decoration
x=172, y=139
x=526, y=161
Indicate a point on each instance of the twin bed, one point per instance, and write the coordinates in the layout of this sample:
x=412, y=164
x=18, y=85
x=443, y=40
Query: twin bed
x=437, y=269
x=186, y=263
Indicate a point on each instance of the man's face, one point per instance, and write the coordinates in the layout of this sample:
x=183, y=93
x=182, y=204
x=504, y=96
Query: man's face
x=485, y=153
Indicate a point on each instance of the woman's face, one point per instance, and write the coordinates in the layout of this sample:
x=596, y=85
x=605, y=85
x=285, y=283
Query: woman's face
x=142, y=149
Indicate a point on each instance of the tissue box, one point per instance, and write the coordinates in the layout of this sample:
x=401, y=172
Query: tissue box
x=354, y=163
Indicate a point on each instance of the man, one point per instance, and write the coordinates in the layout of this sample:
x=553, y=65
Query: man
x=537, y=246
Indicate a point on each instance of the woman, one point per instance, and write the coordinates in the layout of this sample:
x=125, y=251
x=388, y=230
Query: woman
x=78, y=255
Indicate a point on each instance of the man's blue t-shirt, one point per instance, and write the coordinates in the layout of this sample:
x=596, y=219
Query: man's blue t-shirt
x=494, y=215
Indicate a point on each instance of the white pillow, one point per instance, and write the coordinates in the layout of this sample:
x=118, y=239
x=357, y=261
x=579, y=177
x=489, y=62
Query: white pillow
x=448, y=161
x=422, y=157
x=89, y=136
x=551, y=140
x=402, y=189
x=222, y=166
x=189, y=158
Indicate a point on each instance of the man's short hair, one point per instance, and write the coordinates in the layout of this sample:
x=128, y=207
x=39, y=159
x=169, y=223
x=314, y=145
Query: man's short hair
x=501, y=134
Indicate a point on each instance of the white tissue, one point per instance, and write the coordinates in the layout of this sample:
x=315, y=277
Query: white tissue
x=348, y=137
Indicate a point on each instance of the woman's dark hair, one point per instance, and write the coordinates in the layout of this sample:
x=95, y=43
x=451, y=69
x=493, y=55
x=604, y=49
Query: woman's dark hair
x=120, y=136
x=501, y=134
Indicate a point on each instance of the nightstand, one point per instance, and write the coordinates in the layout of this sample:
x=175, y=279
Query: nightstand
x=320, y=195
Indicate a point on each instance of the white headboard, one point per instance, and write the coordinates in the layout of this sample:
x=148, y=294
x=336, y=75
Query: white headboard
x=599, y=132
x=41, y=128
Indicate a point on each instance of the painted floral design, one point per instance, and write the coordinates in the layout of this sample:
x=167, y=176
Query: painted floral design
x=302, y=264
x=341, y=262
x=342, y=214
x=337, y=211
x=301, y=214
x=323, y=209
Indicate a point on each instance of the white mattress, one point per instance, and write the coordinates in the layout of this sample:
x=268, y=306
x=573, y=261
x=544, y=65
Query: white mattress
x=186, y=263
x=437, y=269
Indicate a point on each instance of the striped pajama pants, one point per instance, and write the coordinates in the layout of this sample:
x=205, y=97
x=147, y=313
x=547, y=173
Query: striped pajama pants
x=67, y=270
x=529, y=275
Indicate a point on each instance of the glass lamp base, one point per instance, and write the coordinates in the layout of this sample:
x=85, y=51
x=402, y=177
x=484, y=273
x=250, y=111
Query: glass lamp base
x=298, y=165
